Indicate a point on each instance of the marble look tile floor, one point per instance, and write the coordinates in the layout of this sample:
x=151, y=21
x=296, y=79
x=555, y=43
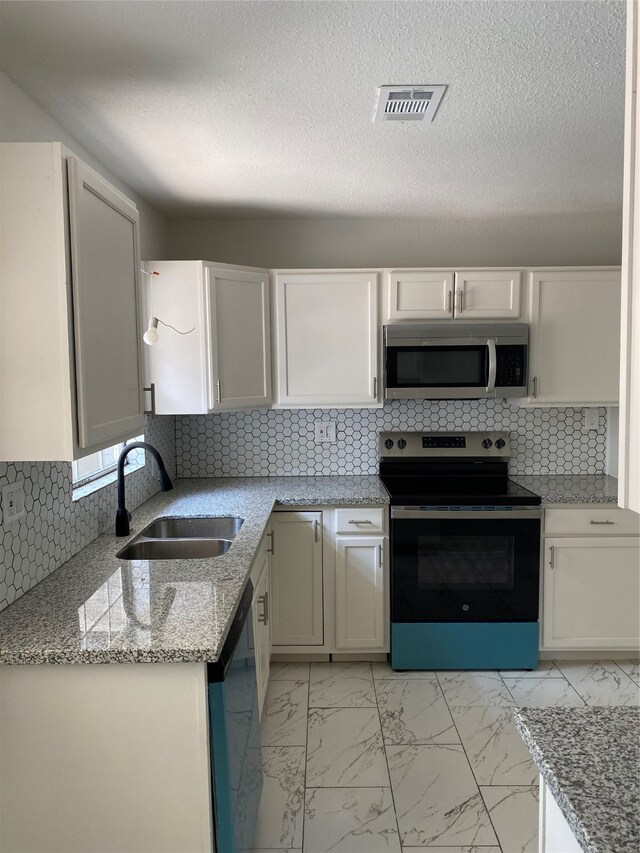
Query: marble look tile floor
x=361, y=759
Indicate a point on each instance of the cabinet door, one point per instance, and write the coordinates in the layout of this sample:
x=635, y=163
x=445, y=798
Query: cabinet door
x=327, y=339
x=485, y=295
x=240, y=339
x=591, y=593
x=575, y=338
x=360, y=593
x=296, y=579
x=108, y=355
x=420, y=294
x=261, y=627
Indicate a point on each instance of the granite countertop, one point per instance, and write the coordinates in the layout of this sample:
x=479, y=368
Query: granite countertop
x=570, y=488
x=590, y=760
x=99, y=609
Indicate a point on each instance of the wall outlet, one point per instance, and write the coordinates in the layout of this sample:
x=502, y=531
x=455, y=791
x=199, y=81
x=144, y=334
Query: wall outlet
x=591, y=419
x=13, y=506
x=325, y=432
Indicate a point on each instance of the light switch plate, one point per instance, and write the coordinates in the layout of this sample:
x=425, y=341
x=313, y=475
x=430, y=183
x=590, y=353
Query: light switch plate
x=591, y=419
x=13, y=502
x=325, y=432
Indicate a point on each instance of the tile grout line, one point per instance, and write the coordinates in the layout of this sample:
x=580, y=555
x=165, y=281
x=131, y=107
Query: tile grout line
x=306, y=756
x=386, y=760
x=464, y=749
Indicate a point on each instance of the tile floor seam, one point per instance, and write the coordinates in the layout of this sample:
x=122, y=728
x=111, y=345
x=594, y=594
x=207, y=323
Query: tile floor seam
x=306, y=758
x=475, y=778
x=386, y=759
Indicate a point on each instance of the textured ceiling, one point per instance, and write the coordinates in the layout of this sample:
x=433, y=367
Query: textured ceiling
x=264, y=108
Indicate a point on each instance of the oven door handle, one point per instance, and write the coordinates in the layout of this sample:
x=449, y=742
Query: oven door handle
x=451, y=515
x=493, y=365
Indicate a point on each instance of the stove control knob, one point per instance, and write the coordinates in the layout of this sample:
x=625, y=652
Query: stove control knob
x=402, y=443
x=500, y=443
x=487, y=443
x=388, y=444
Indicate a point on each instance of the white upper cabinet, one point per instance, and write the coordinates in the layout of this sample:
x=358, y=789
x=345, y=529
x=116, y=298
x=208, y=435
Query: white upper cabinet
x=326, y=338
x=70, y=348
x=487, y=295
x=420, y=294
x=218, y=355
x=467, y=295
x=574, y=337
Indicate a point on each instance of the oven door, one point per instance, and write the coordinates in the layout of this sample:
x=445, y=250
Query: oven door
x=456, y=565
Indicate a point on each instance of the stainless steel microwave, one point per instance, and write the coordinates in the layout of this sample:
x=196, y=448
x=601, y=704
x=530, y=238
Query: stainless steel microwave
x=432, y=361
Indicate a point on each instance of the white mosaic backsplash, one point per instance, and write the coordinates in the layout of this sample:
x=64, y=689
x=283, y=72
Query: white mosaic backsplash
x=56, y=527
x=259, y=443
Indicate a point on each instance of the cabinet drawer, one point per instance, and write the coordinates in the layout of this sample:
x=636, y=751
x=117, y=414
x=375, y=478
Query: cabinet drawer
x=597, y=521
x=360, y=520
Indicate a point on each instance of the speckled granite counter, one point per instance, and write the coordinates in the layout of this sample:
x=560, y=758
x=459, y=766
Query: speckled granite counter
x=571, y=488
x=99, y=609
x=590, y=760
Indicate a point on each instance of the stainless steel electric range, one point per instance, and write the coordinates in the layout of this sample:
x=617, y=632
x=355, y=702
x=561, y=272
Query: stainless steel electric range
x=465, y=553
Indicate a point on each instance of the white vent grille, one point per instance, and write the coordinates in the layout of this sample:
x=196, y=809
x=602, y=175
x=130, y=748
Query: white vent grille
x=408, y=103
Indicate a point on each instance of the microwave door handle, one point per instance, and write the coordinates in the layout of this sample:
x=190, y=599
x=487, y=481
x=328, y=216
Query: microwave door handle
x=491, y=381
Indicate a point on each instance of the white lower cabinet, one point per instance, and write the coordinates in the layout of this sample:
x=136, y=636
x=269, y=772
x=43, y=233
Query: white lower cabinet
x=296, y=579
x=591, y=583
x=360, y=593
x=260, y=609
x=555, y=834
x=330, y=588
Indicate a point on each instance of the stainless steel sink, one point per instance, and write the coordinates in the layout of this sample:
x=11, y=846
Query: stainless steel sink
x=225, y=527
x=173, y=549
x=183, y=539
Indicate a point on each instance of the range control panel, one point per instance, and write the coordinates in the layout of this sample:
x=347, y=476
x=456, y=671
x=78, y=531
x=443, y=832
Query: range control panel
x=496, y=444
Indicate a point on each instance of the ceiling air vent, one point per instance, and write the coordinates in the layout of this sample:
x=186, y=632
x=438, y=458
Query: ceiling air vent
x=408, y=103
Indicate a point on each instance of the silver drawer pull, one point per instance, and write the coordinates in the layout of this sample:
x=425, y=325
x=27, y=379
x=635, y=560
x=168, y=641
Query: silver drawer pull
x=602, y=522
x=359, y=521
x=551, y=557
x=263, y=601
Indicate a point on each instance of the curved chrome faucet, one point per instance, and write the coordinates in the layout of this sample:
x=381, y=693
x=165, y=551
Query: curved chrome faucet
x=123, y=516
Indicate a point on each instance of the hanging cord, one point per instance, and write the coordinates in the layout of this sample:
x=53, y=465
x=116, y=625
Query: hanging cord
x=192, y=329
x=152, y=274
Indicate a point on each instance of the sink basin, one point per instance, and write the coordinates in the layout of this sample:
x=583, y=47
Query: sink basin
x=173, y=549
x=226, y=527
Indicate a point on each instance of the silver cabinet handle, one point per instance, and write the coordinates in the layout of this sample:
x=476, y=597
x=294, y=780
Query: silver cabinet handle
x=602, y=522
x=493, y=365
x=263, y=601
x=315, y=530
x=152, y=391
x=535, y=386
x=218, y=391
x=552, y=556
x=270, y=550
x=375, y=387
x=359, y=521
x=450, y=302
x=459, y=298
x=380, y=556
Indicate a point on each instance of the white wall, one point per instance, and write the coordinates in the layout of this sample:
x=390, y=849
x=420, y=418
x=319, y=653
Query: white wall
x=22, y=120
x=529, y=240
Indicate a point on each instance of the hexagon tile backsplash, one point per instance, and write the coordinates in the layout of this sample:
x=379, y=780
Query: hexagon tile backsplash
x=57, y=527
x=274, y=442
x=259, y=443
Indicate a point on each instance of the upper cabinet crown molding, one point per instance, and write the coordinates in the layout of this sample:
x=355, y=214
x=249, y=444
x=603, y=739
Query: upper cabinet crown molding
x=70, y=345
x=224, y=360
x=434, y=294
x=326, y=338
